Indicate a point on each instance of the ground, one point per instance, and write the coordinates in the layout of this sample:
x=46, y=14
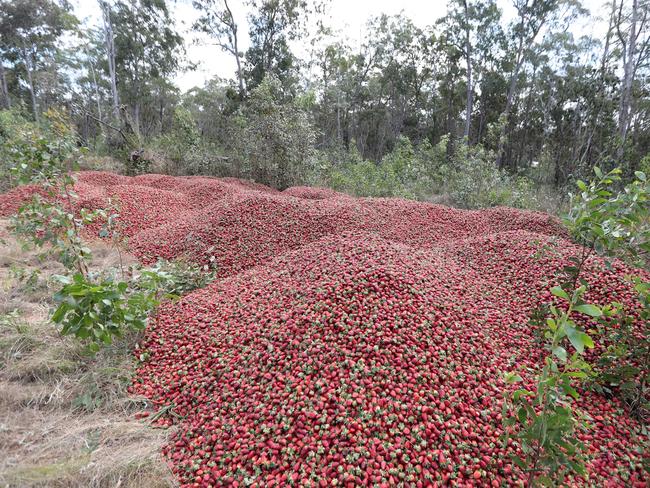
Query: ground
x=65, y=418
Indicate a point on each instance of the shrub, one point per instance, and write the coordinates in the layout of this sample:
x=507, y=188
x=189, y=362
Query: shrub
x=94, y=307
x=34, y=152
x=175, y=278
x=470, y=178
x=544, y=420
x=404, y=172
x=474, y=181
x=274, y=137
x=98, y=311
x=617, y=224
x=182, y=140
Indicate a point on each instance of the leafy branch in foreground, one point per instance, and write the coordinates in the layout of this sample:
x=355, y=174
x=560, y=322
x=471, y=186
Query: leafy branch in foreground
x=100, y=311
x=618, y=223
x=544, y=419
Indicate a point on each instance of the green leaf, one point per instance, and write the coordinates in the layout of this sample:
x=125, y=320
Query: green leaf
x=519, y=462
x=83, y=333
x=588, y=309
x=579, y=339
x=59, y=313
x=551, y=324
x=512, y=378
x=519, y=393
x=560, y=353
x=577, y=374
x=559, y=292
x=522, y=415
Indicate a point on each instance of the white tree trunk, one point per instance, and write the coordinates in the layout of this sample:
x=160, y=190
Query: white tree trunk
x=628, y=76
x=110, y=55
x=468, y=59
x=30, y=82
x=235, y=45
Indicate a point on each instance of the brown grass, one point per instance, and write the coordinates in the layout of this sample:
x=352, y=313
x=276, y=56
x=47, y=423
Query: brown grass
x=65, y=418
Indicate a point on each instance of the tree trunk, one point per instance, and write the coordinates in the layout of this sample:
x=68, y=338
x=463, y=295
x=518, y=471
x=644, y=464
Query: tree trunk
x=30, y=82
x=338, y=116
x=235, y=44
x=136, y=120
x=595, y=120
x=110, y=54
x=6, y=101
x=628, y=79
x=96, y=87
x=468, y=59
x=240, y=75
x=511, y=94
x=523, y=41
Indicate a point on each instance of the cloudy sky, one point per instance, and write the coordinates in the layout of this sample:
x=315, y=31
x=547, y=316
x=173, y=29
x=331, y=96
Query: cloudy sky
x=346, y=16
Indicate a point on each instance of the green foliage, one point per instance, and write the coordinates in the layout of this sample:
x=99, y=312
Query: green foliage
x=97, y=312
x=474, y=181
x=175, y=278
x=182, y=139
x=186, y=152
x=404, y=172
x=44, y=157
x=543, y=419
x=94, y=307
x=52, y=227
x=274, y=137
x=624, y=367
x=614, y=223
x=98, y=309
x=470, y=178
x=34, y=153
x=617, y=224
x=13, y=127
x=644, y=165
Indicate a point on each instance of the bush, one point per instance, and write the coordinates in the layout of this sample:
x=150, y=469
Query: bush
x=97, y=312
x=183, y=151
x=274, y=138
x=470, y=179
x=474, y=181
x=404, y=172
x=617, y=224
x=16, y=134
x=180, y=141
x=545, y=420
x=175, y=278
x=94, y=307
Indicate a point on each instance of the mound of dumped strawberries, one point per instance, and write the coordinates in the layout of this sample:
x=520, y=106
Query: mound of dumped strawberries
x=349, y=341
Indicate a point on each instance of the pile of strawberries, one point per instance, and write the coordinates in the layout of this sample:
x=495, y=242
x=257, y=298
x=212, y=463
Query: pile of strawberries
x=350, y=341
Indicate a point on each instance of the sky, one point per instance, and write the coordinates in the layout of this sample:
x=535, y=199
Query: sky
x=348, y=17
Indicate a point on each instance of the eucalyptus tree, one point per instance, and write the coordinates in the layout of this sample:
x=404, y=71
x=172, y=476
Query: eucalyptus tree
x=147, y=54
x=532, y=15
x=273, y=25
x=217, y=21
x=633, y=31
x=30, y=31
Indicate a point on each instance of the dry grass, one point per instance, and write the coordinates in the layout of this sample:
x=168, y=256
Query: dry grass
x=101, y=163
x=65, y=418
